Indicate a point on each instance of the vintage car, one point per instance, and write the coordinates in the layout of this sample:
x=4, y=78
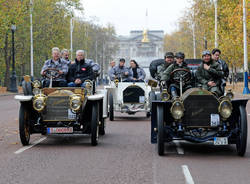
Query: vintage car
x=128, y=97
x=64, y=110
x=198, y=116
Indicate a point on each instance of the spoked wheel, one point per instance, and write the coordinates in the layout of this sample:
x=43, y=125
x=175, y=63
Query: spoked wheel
x=24, y=124
x=160, y=133
x=102, y=127
x=94, y=124
x=241, y=143
x=111, y=107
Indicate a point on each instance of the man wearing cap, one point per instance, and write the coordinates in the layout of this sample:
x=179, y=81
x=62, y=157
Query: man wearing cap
x=120, y=72
x=209, y=74
x=174, y=87
x=169, y=59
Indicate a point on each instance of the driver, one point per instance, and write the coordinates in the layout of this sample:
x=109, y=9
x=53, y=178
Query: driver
x=209, y=74
x=169, y=59
x=58, y=64
x=79, y=71
x=120, y=72
x=178, y=64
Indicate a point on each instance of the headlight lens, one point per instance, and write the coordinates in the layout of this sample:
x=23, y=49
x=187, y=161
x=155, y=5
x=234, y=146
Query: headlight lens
x=165, y=96
x=75, y=102
x=177, y=110
x=39, y=102
x=36, y=91
x=36, y=84
x=225, y=109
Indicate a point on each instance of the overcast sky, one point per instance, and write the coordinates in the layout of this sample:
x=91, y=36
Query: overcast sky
x=128, y=15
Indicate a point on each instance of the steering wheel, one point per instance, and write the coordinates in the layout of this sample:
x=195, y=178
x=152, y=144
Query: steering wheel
x=179, y=73
x=52, y=72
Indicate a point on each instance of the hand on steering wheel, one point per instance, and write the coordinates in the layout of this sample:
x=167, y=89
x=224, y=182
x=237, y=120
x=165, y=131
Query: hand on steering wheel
x=179, y=73
x=52, y=72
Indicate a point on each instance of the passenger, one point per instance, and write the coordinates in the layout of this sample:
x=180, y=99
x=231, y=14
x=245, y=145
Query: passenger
x=55, y=63
x=80, y=71
x=209, y=74
x=95, y=67
x=137, y=73
x=120, y=72
x=178, y=64
x=112, y=65
x=169, y=59
x=216, y=57
x=65, y=56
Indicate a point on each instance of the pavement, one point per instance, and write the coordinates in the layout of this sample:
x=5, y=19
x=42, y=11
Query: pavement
x=124, y=155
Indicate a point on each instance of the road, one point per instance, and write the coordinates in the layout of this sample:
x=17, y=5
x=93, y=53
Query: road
x=124, y=156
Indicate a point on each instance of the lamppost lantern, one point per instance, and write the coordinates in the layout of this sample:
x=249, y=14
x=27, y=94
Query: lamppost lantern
x=13, y=27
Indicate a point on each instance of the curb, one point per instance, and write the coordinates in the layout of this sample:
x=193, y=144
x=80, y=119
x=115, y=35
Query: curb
x=9, y=94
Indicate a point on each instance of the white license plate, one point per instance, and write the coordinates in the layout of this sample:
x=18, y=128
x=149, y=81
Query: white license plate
x=60, y=130
x=214, y=120
x=71, y=115
x=220, y=141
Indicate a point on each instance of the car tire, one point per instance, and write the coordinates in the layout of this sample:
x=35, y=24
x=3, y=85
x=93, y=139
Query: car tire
x=111, y=107
x=151, y=98
x=24, y=124
x=102, y=127
x=160, y=130
x=148, y=114
x=241, y=143
x=94, y=124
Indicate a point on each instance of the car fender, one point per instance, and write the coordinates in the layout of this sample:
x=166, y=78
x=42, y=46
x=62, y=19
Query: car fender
x=23, y=98
x=95, y=97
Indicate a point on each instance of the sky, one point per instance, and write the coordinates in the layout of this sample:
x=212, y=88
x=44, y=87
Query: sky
x=128, y=15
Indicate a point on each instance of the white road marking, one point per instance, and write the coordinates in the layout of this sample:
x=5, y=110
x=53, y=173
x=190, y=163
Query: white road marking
x=188, y=177
x=30, y=146
x=179, y=149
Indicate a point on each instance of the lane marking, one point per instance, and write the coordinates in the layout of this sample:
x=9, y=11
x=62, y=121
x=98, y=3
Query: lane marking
x=188, y=177
x=30, y=146
x=179, y=149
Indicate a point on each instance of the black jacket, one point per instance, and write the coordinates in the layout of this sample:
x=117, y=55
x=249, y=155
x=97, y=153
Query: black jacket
x=80, y=70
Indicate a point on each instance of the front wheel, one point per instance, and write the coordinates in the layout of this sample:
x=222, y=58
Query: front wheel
x=111, y=107
x=24, y=124
x=94, y=124
x=160, y=133
x=102, y=127
x=241, y=143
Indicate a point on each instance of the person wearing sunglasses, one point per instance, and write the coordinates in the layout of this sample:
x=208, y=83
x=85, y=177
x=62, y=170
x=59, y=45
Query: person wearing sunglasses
x=209, y=74
x=174, y=86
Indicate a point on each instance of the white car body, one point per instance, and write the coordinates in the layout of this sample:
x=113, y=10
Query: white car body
x=131, y=101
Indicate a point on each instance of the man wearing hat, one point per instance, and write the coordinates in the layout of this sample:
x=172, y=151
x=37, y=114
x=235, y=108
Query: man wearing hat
x=209, y=74
x=120, y=72
x=169, y=59
x=174, y=87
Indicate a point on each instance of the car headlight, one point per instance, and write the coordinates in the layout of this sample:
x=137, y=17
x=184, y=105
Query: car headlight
x=75, y=102
x=225, y=109
x=164, y=95
x=230, y=94
x=177, y=110
x=36, y=84
x=36, y=91
x=39, y=102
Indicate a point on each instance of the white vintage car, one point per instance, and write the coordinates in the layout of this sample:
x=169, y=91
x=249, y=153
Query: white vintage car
x=128, y=97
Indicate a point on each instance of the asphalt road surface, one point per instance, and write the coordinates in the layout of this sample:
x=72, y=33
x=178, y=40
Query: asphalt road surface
x=124, y=156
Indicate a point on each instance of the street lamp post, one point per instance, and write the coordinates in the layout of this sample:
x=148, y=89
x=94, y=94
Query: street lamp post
x=13, y=85
x=31, y=41
x=215, y=24
x=246, y=89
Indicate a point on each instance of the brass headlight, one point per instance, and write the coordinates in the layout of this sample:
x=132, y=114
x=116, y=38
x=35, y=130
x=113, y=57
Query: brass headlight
x=225, y=108
x=36, y=84
x=230, y=94
x=36, y=91
x=164, y=95
x=75, y=102
x=116, y=82
x=177, y=109
x=39, y=102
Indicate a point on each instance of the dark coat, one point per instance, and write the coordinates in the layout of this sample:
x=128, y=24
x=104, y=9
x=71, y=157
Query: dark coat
x=80, y=70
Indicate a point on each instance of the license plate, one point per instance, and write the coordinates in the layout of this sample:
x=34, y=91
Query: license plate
x=60, y=130
x=215, y=120
x=220, y=141
x=71, y=115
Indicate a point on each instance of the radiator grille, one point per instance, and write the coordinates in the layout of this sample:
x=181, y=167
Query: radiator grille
x=198, y=109
x=56, y=108
x=133, y=94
